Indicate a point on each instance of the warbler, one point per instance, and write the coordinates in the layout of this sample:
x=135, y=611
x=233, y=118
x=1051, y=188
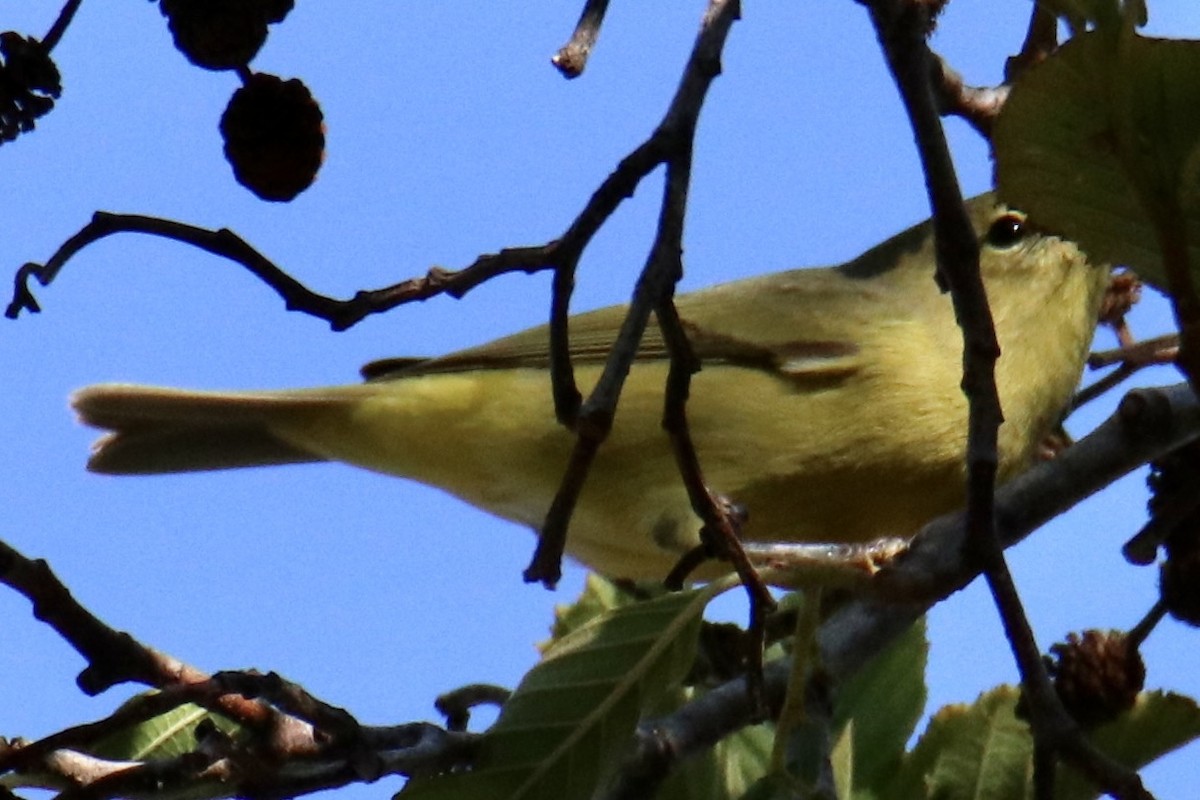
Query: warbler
x=828, y=406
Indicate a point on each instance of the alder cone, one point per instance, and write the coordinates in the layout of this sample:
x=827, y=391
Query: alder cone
x=29, y=82
x=217, y=34
x=276, y=10
x=1179, y=578
x=274, y=136
x=1097, y=675
x=1174, y=476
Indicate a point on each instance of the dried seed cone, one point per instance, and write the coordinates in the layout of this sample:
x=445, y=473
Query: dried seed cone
x=221, y=34
x=274, y=136
x=1179, y=578
x=1097, y=675
x=276, y=10
x=1177, y=471
x=29, y=81
x=1174, y=477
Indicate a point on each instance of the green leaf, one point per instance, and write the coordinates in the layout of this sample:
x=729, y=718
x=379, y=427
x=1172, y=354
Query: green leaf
x=1101, y=142
x=969, y=751
x=599, y=597
x=725, y=772
x=165, y=736
x=983, y=750
x=841, y=760
x=573, y=714
x=1157, y=724
x=884, y=701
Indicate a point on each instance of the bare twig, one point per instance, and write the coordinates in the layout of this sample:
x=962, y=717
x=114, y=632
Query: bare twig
x=233, y=769
x=456, y=705
x=902, y=26
x=1132, y=358
x=721, y=523
x=60, y=24
x=1148, y=352
x=562, y=255
x=978, y=105
x=136, y=711
x=341, y=314
x=326, y=745
x=572, y=57
x=113, y=656
x=1123, y=293
x=290, y=698
x=672, y=141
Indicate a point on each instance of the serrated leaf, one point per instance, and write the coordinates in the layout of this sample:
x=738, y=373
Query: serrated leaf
x=1158, y=723
x=983, y=750
x=969, y=751
x=573, y=714
x=884, y=701
x=1101, y=142
x=599, y=597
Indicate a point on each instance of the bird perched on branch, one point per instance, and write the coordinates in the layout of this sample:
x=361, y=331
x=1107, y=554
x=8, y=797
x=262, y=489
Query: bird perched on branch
x=828, y=404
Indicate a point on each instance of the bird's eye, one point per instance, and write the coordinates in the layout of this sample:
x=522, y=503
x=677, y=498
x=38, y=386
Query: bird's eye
x=1007, y=231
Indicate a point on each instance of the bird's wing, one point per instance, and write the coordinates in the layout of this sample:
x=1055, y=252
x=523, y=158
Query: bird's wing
x=753, y=335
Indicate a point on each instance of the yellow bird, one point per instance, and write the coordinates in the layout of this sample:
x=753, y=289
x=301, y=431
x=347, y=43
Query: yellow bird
x=828, y=406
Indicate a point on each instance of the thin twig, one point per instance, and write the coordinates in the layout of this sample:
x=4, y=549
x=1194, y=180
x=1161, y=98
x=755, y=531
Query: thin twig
x=113, y=656
x=307, y=730
x=1137, y=635
x=291, y=698
x=721, y=523
x=902, y=26
x=341, y=314
x=672, y=143
x=1099, y=387
x=456, y=705
x=977, y=105
x=223, y=767
x=1159, y=350
x=60, y=24
x=1132, y=358
x=572, y=57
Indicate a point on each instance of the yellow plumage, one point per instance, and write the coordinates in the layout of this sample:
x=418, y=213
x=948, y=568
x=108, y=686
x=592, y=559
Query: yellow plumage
x=829, y=405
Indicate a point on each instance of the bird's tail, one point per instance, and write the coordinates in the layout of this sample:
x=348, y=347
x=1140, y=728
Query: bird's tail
x=153, y=430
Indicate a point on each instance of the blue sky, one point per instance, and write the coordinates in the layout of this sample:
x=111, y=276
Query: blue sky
x=449, y=134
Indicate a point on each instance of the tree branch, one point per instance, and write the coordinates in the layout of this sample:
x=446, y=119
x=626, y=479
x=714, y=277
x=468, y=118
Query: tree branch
x=902, y=27
x=296, y=742
x=1148, y=423
x=672, y=140
x=572, y=57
